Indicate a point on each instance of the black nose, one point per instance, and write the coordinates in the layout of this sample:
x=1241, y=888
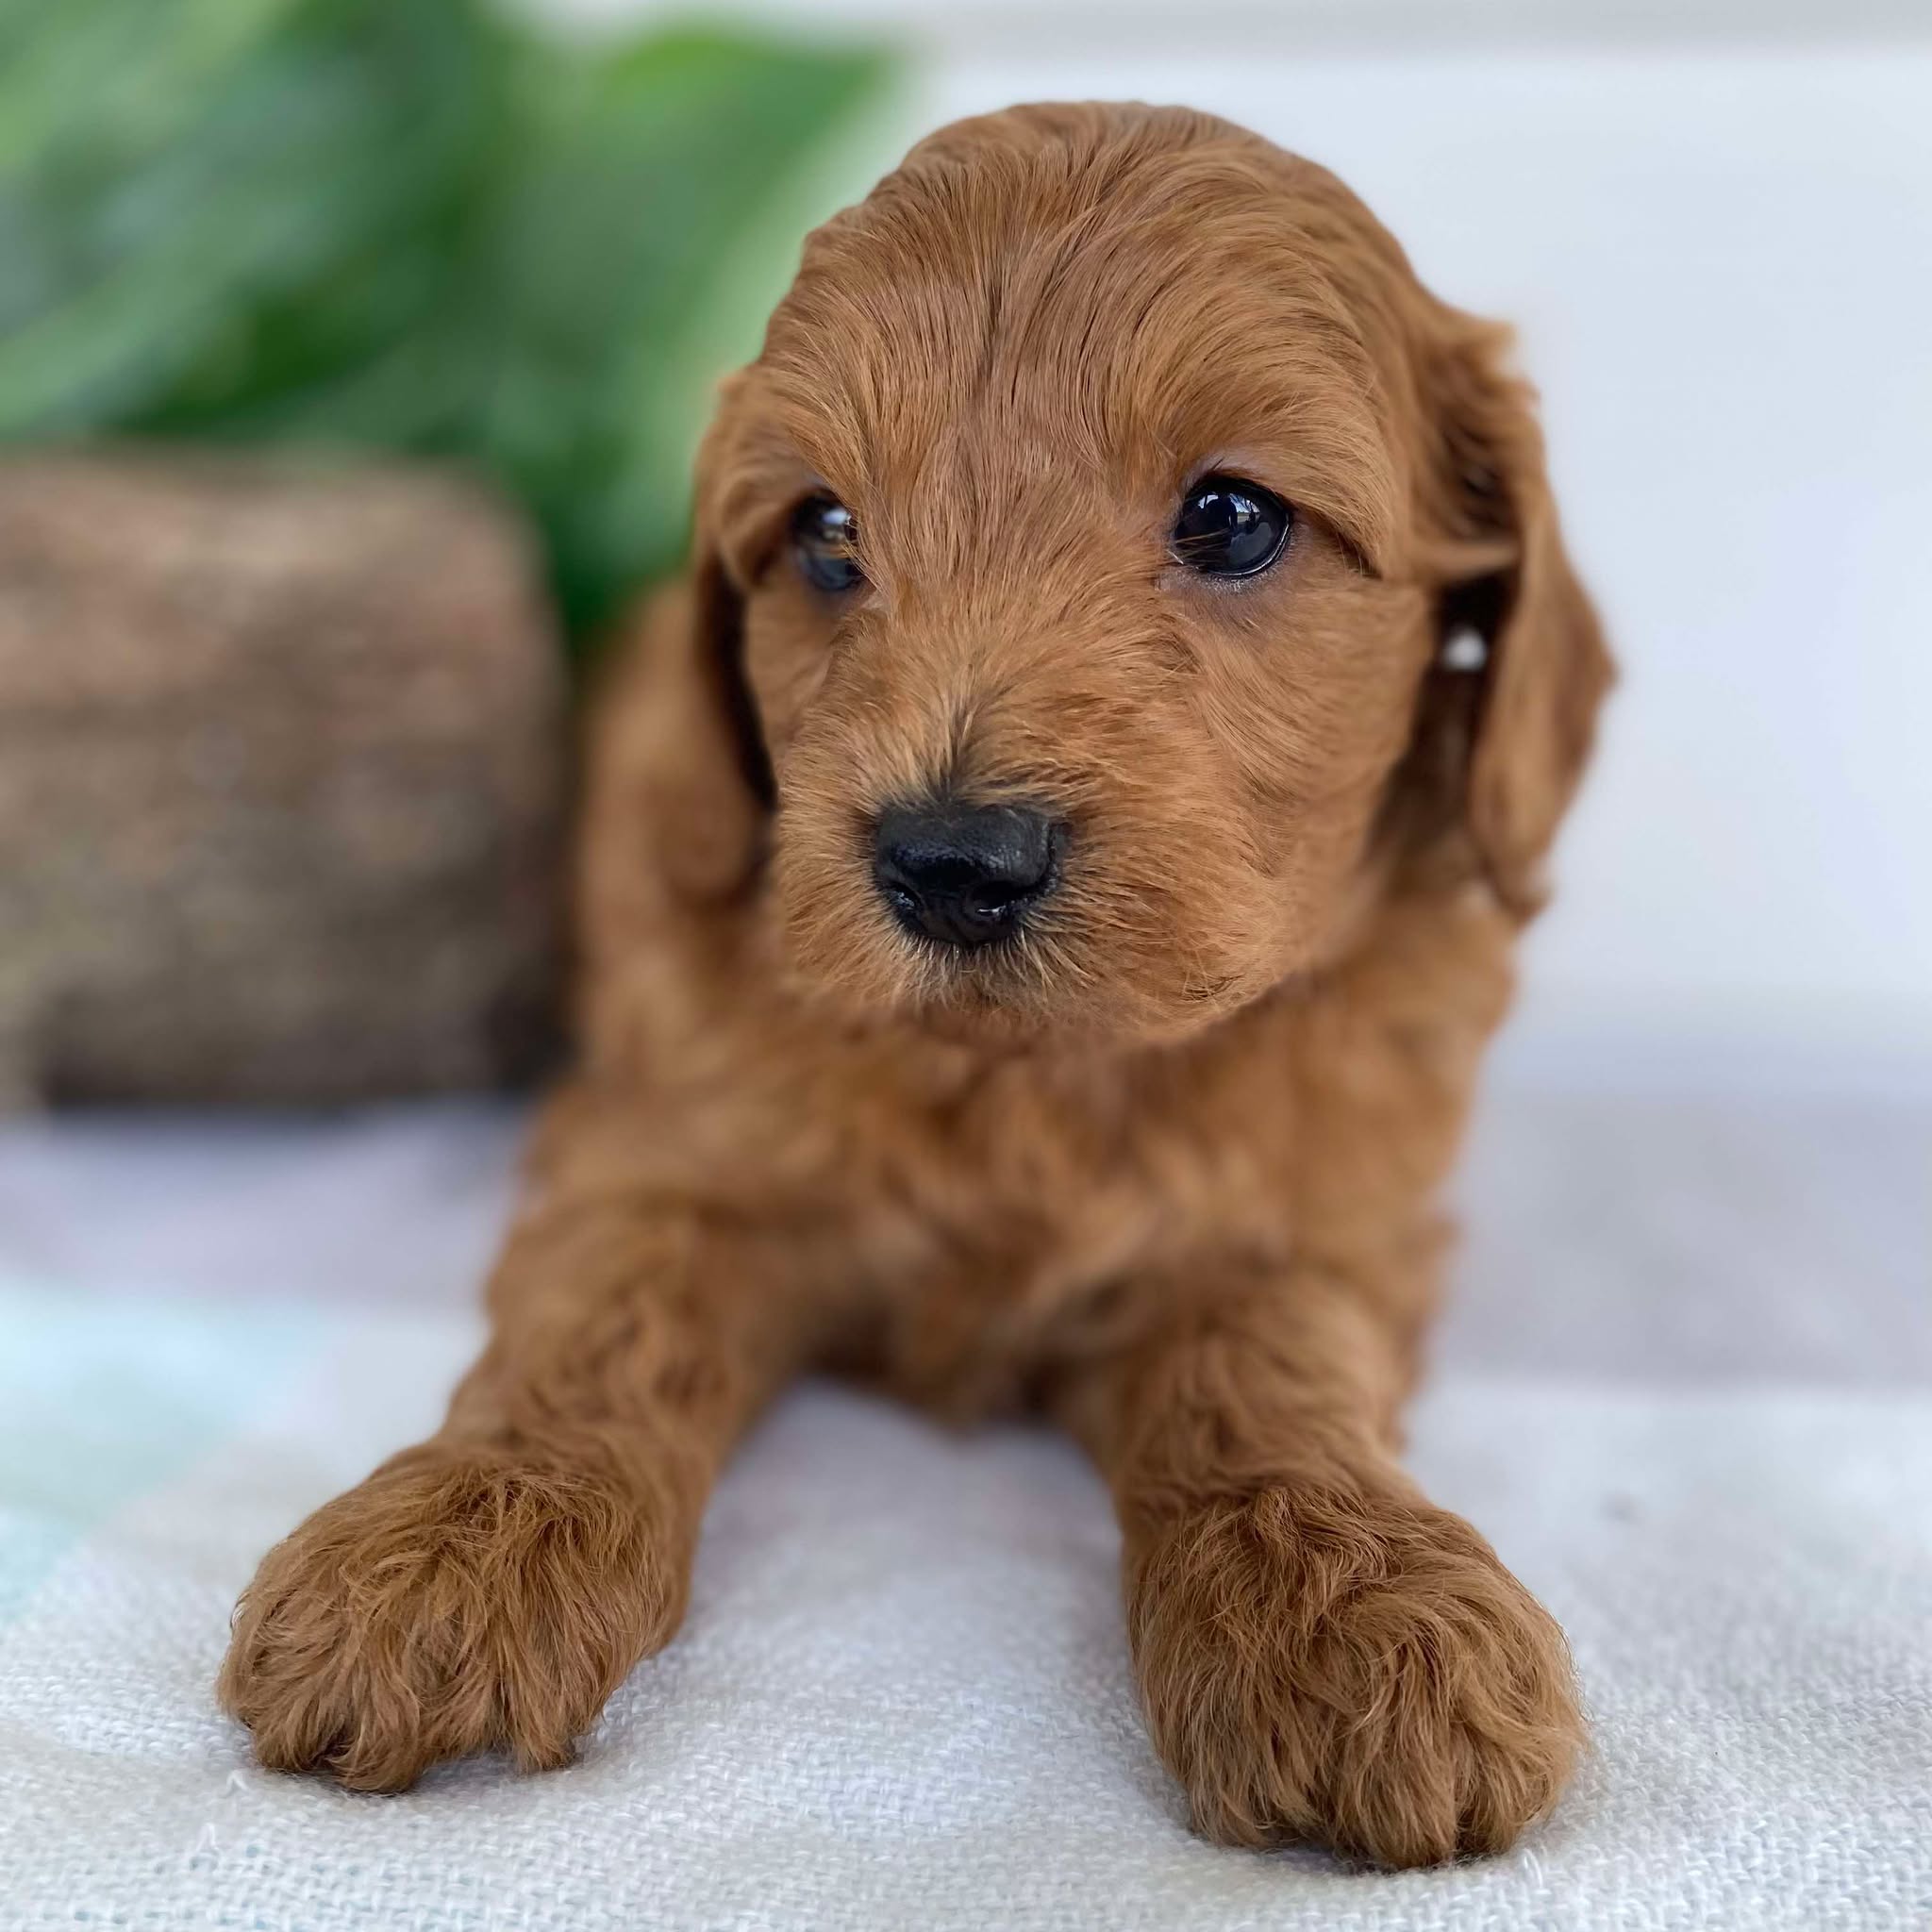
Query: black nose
x=965, y=873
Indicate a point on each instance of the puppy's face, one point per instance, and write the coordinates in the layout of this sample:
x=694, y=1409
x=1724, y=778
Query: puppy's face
x=1075, y=536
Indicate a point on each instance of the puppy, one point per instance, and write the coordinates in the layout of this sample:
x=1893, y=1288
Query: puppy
x=1049, y=873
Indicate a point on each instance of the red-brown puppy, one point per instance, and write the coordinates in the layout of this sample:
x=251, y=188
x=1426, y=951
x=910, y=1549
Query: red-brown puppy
x=1046, y=896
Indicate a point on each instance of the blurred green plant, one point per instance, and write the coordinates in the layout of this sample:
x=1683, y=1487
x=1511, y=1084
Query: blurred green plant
x=409, y=225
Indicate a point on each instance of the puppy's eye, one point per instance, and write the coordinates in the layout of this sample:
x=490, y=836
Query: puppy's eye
x=1228, y=527
x=822, y=539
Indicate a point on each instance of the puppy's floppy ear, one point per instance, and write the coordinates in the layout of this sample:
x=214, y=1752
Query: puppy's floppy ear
x=717, y=645
x=1492, y=533
x=678, y=756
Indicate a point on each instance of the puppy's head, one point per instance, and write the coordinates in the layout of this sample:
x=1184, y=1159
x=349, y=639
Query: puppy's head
x=1076, y=567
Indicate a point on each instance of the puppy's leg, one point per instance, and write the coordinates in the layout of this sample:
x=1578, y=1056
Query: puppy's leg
x=1322, y=1653
x=492, y=1587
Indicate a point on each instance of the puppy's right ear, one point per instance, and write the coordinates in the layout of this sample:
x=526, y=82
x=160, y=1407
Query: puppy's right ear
x=678, y=763
x=1507, y=588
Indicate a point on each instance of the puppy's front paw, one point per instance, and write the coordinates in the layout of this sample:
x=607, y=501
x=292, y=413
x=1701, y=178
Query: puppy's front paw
x=453, y=1603
x=1355, y=1669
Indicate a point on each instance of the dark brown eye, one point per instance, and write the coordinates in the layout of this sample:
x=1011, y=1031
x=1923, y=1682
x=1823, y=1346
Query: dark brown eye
x=822, y=539
x=1229, y=527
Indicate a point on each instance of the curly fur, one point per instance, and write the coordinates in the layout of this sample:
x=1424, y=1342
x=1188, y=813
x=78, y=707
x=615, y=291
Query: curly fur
x=1166, y=1169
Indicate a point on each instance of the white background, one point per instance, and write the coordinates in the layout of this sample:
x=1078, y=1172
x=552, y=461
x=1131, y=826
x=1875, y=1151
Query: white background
x=1713, y=225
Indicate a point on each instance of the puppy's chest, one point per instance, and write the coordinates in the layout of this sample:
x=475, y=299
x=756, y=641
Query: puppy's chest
x=999, y=1222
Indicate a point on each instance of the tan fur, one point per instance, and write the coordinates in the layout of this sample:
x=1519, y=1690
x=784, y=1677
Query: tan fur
x=1166, y=1169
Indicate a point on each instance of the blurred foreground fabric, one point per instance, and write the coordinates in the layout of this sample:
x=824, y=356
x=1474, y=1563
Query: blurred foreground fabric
x=1686, y=1392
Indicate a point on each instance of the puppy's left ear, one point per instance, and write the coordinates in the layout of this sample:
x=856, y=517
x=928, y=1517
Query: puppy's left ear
x=1509, y=594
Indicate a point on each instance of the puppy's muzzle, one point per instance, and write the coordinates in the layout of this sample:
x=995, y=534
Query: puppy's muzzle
x=965, y=875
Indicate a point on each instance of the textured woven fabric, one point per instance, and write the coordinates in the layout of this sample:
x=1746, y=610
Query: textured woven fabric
x=901, y=1699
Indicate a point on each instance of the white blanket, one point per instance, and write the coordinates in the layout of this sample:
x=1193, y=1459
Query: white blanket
x=901, y=1699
